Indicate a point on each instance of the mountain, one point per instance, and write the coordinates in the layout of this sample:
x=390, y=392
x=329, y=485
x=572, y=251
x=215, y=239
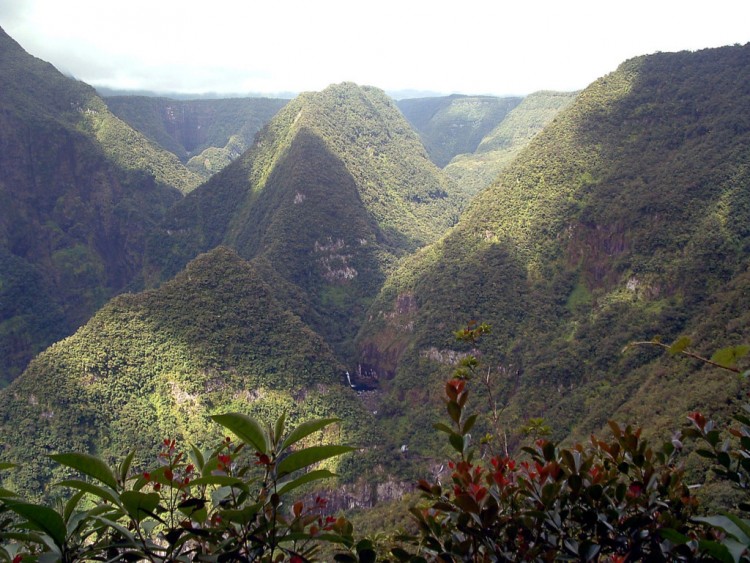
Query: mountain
x=624, y=219
x=156, y=364
x=206, y=135
x=78, y=191
x=336, y=188
x=479, y=168
x=455, y=124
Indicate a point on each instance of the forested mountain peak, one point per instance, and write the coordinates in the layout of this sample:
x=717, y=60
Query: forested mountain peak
x=157, y=363
x=332, y=255
x=336, y=188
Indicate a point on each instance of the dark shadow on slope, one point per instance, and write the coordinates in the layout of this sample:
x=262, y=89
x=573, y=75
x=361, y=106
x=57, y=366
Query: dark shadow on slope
x=311, y=226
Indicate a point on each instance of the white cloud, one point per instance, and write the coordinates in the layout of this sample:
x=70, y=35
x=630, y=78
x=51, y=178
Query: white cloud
x=476, y=46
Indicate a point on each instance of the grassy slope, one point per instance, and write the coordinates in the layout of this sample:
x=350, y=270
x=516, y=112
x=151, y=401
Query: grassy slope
x=624, y=219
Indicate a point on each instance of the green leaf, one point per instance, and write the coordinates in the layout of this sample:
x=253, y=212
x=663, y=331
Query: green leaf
x=454, y=411
x=125, y=466
x=716, y=550
x=116, y=526
x=7, y=465
x=305, y=429
x=71, y=505
x=469, y=424
x=588, y=551
x=741, y=523
x=727, y=357
x=197, y=457
x=6, y=493
x=89, y=465
x=400, y=554
x=140, y=504
x=457, y=441
x=278, y=429
x=43, y=519
x=245, y=428
x=242, y=516
x=679, y=345
x=191, y=506
x=308, y=456
x=443, y=427
x=86, y=487
x=674, y=536
x=306, y=478
x=366, y=555
x=737, y=549
x=724, y=522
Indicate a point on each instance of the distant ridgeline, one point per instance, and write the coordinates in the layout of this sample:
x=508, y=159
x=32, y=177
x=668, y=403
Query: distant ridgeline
x=479, y=167
x=80, y=189
x=628, y=217
x=206, y=135
x=456, y=124
x=85, y=183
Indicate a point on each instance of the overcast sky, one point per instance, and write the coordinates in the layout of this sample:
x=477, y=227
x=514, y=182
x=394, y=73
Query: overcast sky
x=467, y=46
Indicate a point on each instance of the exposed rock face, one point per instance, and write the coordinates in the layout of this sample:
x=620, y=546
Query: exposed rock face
x=362, y=494
x=379, y=355
x=446, y=357
x=595, y=247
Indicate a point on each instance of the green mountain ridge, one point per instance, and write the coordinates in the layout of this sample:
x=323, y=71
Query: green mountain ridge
x=476, y=170
x=334, y=241
x=624, y=219
x=78, y=190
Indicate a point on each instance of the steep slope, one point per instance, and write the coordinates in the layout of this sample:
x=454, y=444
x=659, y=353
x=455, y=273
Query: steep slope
x=624, y=219
x=157, y=364
x=477, y=170
x=78, y=190
x=456, y=124
x=205, y=134
x=335, y=189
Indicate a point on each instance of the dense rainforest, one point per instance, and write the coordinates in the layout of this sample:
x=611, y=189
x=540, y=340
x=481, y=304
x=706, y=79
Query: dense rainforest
x=167, y=262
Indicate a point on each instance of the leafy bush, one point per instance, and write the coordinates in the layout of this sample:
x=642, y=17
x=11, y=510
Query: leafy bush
x=229, y=504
